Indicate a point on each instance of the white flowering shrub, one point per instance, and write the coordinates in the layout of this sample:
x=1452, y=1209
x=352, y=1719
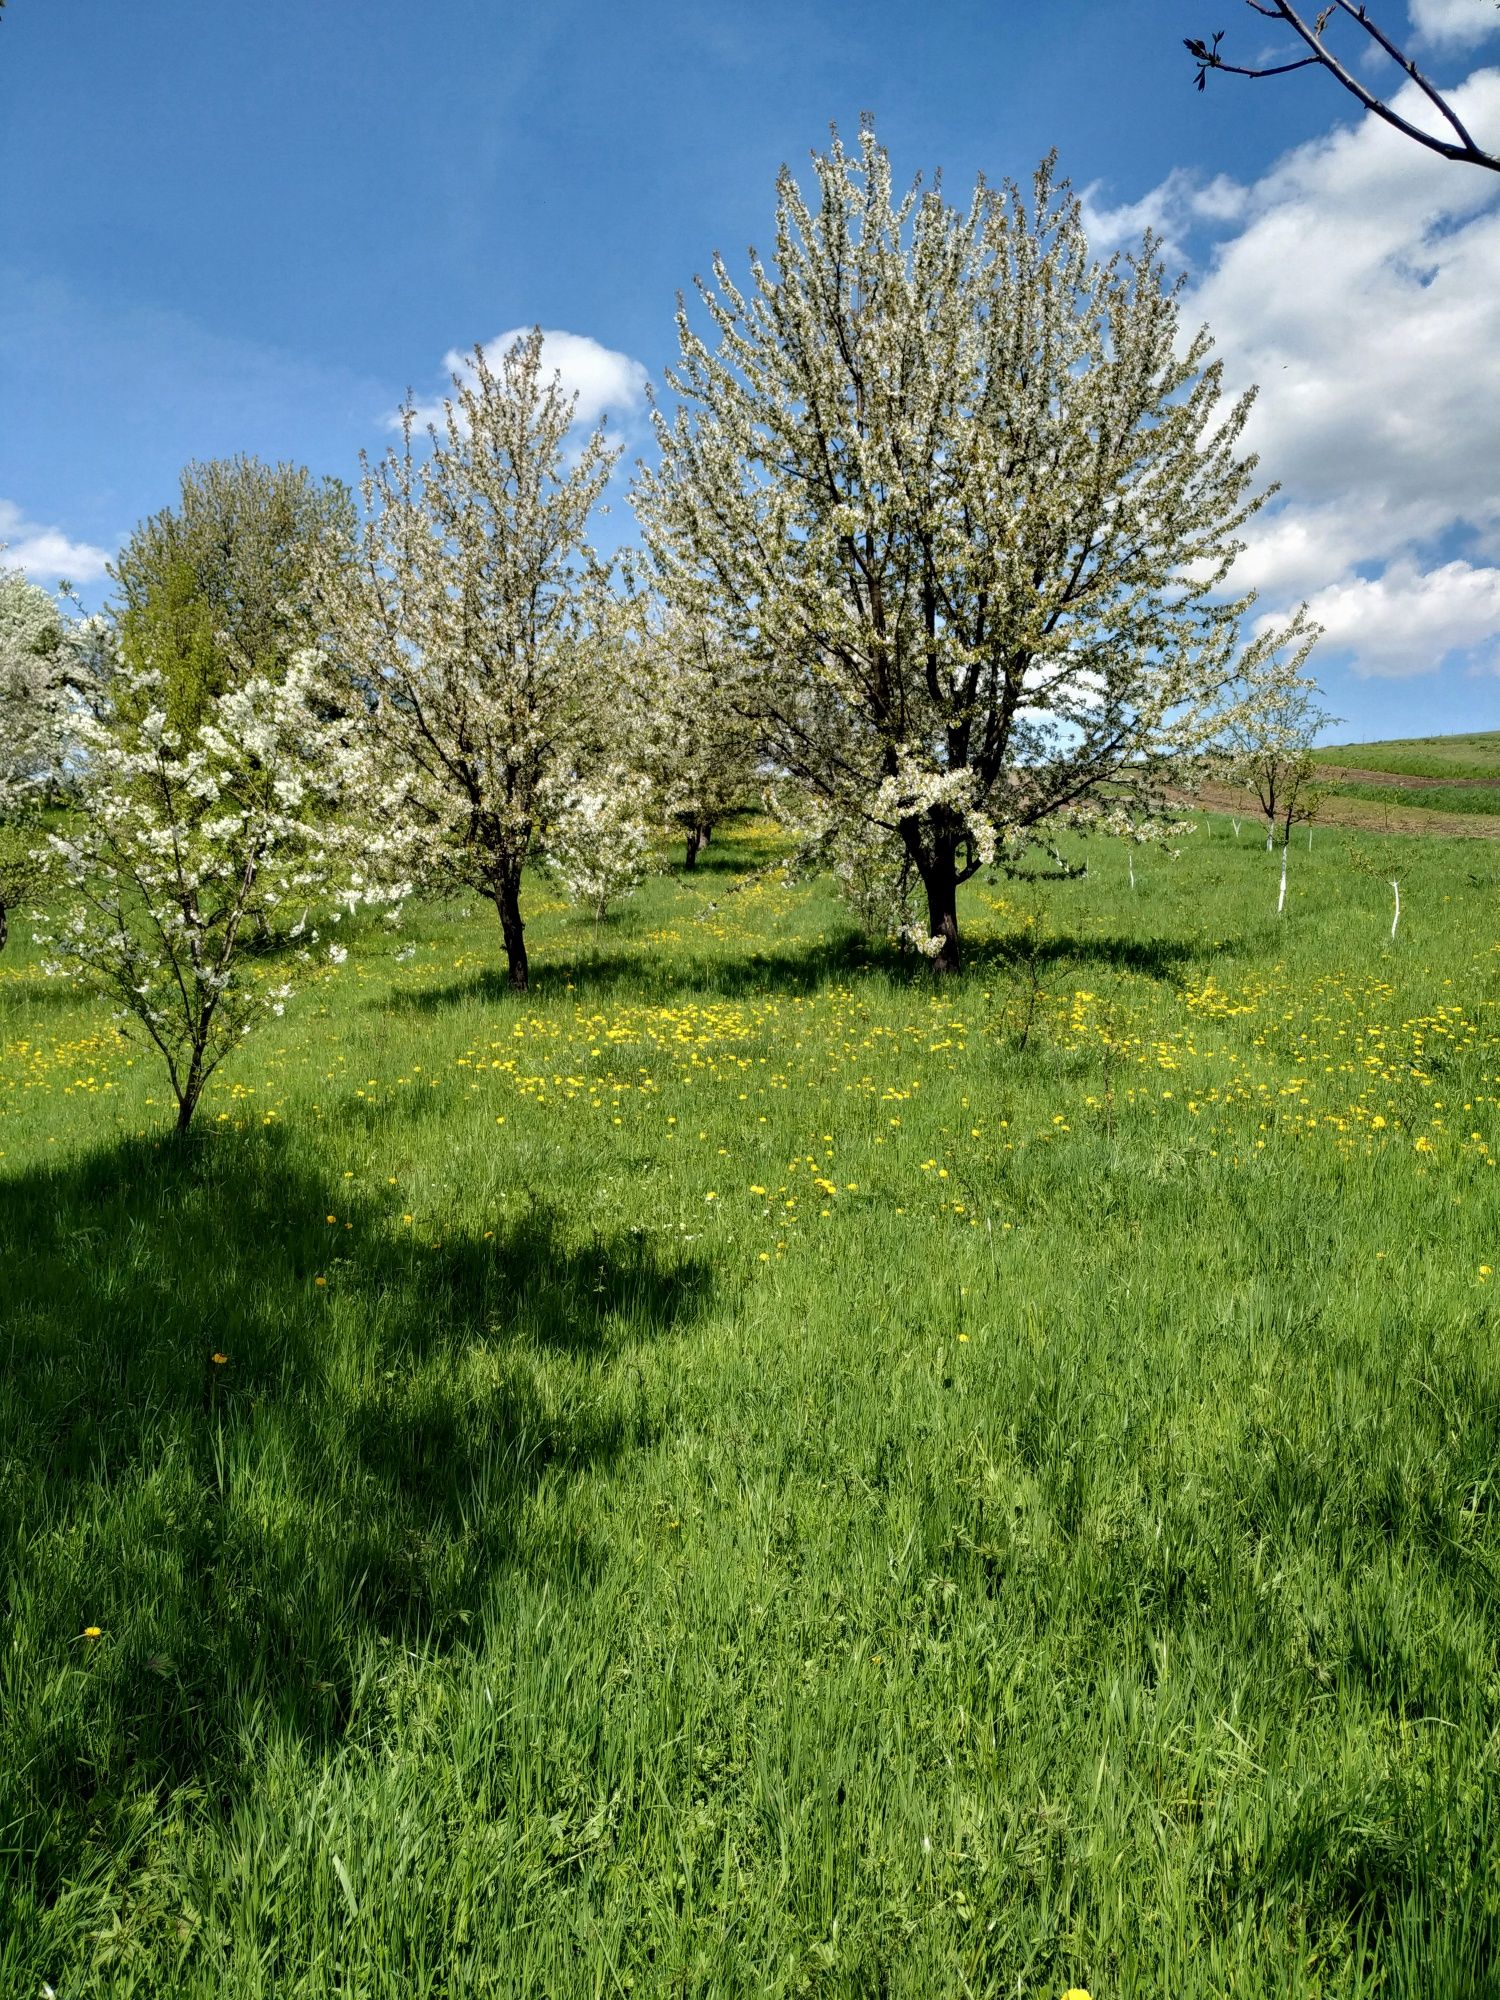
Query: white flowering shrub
x=689, y=732
x=35, y=708
x=965, y=504
x=1268, y=750
x=184, y=852
x=600, y=840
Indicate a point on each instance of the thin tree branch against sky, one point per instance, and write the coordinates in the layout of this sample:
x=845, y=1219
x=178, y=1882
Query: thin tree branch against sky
x=1461, y=146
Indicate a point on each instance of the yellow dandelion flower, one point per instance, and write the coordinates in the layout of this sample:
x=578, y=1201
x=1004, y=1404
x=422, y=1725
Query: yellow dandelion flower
x=218, y=1359
x=93, y=1632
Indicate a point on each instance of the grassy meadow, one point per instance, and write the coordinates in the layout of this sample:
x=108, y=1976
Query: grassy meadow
x=1474, y=755
x=748, y=1472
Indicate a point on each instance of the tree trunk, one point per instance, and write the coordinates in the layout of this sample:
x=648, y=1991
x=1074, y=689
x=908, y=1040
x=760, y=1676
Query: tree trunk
x=4, y=924
x=697, y=840
x=191, y=1091
x=940, y=880
x=507, y=894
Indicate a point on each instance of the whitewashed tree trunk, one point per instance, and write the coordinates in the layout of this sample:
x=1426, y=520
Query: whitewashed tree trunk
x=1396, y=888
x=1281, y=899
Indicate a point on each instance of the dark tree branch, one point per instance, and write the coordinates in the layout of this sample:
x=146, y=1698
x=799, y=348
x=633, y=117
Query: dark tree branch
x=1462, y=147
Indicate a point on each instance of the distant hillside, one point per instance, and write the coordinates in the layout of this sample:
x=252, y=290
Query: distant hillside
x=1443, y=785
x=1415, y=784
x=1475, y=757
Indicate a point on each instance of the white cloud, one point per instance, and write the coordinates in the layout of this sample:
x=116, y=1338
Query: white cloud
x=46, y=554
x=1179, y=203
x=1408, y=620
x=605, y=382
x=1454, y=23
x=1359, y=292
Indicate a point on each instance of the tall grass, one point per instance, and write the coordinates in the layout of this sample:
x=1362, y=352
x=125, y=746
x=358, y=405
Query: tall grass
x=746, y=1472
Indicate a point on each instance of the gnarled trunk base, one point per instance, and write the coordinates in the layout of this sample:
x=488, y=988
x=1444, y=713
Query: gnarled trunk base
x=940, y=880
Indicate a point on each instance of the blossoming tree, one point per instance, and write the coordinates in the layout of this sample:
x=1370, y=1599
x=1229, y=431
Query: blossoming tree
x=473, y=616
x=1268, y=750
x=179, y=842
x=34, y=707
x=966, y=505
x=693, y=740
x=600, y=843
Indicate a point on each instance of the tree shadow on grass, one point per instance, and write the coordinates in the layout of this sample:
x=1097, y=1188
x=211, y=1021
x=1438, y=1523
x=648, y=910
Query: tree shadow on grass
x=798, y=968
x=655, y=978
x=392, y=1416
x=1160, y=958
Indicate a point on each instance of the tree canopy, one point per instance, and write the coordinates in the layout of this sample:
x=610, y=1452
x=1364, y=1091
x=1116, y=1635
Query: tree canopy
x=964, y=501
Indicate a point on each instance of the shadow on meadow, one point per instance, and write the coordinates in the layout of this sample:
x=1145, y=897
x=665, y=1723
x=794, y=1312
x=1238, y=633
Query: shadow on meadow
x=250, y=1532
x=801, y=967
x=651, y=978
x=1160, y=958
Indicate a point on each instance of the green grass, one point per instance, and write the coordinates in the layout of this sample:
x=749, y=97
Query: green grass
x=1425, y=798
x=609, y=1561
x=1475, y=755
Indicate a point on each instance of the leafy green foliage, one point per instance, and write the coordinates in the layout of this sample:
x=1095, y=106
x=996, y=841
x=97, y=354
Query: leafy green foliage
x=219, y=588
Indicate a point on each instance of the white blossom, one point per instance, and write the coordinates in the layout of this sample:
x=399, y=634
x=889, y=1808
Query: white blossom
x=600, y=844
x=36, y=703
x=690, y=732
x=965, y=505
x=186, y=851
x=473, y=617
x=1268, y=749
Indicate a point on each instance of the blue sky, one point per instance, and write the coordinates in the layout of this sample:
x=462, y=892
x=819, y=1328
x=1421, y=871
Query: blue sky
x=231, y=228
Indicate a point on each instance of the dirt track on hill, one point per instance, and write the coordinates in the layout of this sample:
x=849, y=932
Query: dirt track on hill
x=1362, y=815
x=1348, y=774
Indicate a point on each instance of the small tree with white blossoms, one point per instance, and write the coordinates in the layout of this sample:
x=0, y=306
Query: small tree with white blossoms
x=473, y=614
x=1268, y=750
x=601, y=842
x=180, y=843
x=34, y=723
x=698, y=748
x=965, y=504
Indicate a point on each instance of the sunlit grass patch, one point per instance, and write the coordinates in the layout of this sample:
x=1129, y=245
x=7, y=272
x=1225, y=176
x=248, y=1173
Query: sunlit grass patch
x=747, y=1471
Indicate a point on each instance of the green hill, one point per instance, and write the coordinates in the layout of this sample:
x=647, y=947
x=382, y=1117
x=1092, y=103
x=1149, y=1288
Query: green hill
x=1472, y=756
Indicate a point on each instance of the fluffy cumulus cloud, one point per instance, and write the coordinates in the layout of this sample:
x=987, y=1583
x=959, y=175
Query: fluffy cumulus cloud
x=606, y=383
x=1169, y=211
x=1454, y=23
x=1357, y=288
x=1407, y=620
x=46, y=554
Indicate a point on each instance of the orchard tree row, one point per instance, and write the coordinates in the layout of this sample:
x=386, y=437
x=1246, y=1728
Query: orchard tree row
x=934, y=559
